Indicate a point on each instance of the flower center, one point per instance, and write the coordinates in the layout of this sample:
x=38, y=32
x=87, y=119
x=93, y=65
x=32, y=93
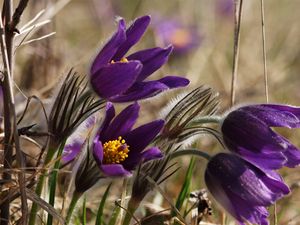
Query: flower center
x=115, y=151
x=123, y=60
x=181, y=38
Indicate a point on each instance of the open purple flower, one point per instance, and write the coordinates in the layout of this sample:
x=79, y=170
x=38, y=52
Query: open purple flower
x=117, y=148
x=247, y=132
x=121, y=79
x=183, y=38
x=242, y=189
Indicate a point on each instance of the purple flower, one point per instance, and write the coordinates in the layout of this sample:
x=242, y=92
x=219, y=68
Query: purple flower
x=117, y=148
x=247, y=131
x=121, y=79
x=242, y=189
x=183, y=38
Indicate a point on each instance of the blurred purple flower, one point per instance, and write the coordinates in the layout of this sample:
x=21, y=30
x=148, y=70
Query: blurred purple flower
x=247, y=132
x=225, y=8
x=182, y=38
x=117, y=148
x=121, y=79
x=242, y=189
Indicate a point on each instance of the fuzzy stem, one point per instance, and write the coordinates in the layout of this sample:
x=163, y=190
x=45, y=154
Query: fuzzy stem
x=190, y=152
x=76, y=196
x=207, y=119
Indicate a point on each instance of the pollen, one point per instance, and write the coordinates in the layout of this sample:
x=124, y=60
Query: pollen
x=123, y=60
x=115, y=151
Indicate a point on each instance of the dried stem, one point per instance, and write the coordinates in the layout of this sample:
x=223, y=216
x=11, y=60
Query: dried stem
x=11, y=138
x=237, y=26
x=263, y=31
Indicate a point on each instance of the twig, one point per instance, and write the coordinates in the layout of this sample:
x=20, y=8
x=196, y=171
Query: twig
x=38, y=39
x=237, y=27
x=18, y=13
x=11, y=133
x=263, y=31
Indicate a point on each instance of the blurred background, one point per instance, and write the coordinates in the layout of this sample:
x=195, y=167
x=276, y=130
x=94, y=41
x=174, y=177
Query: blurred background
x=201, y=32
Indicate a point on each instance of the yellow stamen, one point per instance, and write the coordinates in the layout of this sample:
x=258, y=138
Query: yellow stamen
x=115, y=151
x=123, y=60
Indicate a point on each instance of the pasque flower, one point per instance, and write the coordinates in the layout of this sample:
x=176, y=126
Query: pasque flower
x=117, y=148
x=243, y=189
x=121, y=79
x=182, y=37
x=248, y=132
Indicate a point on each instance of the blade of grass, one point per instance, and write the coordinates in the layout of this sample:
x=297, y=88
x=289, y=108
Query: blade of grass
x=101, y=206
x=53, y=179
x=186, y=186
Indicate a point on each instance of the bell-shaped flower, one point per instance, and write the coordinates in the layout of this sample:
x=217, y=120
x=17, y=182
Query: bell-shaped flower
x=117, y=148
x=248, y=132
x=122, y=79
x=243, y=189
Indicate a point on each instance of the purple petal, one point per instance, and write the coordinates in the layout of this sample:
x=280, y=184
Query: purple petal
x=293, y=156
x=240, y=179
x=275, y=115
x=141, y=90
x=110, y=48
x=122, y=124
x=272, y=160
x=71, y=151
x=174, y=81
x=133, y=35
x=98, y=150
x=116, y=78
x=151, y=153
x=248, y=136
x=243, y=189
x=133, y=160
x=215, y=188
x=115, y=170
x=275, y=183
x=251, y=213
x=109, y=115
x=152, y=59
x=139, y=138
x=77, y=139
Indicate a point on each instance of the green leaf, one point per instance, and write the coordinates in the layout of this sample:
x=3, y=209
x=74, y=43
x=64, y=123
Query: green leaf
x=101, y=206
x=53, y=180
x=185, y=189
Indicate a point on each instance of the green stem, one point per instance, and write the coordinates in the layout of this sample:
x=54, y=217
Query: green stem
x=39, y=187
x=194, y=152
x=76, y=196
x=208, y=119
x=52, y=180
